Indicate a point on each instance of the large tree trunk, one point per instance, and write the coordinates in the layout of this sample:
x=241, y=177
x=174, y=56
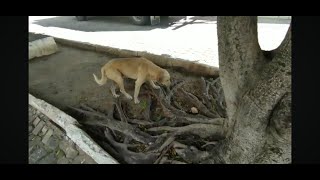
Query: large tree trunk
x=257, y=88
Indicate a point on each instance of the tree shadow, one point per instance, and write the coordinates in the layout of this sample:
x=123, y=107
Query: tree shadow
x=194, y=20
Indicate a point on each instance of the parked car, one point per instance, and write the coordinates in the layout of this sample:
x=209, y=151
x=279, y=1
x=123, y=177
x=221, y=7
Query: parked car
x=138, y=20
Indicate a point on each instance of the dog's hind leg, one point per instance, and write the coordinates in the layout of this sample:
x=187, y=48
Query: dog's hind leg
x=123, y=91
x=113, y=90
x=116, y=76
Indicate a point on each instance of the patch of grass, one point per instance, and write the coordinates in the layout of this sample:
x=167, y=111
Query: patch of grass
x=143, y=104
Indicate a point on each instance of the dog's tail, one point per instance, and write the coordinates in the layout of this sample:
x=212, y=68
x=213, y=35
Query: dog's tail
x=103, y=79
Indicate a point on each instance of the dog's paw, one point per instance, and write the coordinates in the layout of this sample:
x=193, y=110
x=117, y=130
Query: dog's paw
x=136, y=101
x=116, y=95
x=156, y=87
x=129, y=97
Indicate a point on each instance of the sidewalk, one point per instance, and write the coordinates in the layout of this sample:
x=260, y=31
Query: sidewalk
x=49, y=145
x=194, y=39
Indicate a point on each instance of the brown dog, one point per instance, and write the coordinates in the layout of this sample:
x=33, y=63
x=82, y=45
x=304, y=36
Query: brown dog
x=140, y=69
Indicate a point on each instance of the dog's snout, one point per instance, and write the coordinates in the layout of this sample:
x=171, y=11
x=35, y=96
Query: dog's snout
x=168, y=84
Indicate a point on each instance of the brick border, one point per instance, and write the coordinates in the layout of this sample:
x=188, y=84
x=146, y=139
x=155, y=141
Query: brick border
x=78, y=136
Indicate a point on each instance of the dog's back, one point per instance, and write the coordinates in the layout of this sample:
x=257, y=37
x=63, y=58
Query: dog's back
x=129, y=67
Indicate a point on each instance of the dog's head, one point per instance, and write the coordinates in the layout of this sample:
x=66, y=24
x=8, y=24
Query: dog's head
x=164, y=78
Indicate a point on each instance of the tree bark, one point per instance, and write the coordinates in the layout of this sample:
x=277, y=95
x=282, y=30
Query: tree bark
x=257, y=90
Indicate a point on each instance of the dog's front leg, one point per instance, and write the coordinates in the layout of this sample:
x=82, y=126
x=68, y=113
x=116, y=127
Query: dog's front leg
x=153, y=85
x=139, y=83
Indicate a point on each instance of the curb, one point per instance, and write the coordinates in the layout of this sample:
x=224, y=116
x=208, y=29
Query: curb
x=276, y=17
x=41, y=47
x=78, y=136
x=161, y=60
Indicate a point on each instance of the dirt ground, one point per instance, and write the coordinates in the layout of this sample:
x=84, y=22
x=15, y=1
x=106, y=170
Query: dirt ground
x=65, y=79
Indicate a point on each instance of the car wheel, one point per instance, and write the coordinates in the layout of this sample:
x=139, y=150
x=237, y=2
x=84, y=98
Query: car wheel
x=141, y=20
x=81, y=18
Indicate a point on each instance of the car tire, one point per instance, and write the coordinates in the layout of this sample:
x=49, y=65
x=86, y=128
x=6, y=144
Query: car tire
x=140, y=20
x=81, y=18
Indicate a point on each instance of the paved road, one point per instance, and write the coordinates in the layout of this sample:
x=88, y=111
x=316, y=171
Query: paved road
x=194, y=38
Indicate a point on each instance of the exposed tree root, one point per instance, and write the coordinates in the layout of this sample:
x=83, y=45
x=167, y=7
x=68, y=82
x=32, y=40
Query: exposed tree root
x=151, y=141
x=192, y=154
x=202, y=130
x=122, y=127
x=130, y=156
x=199, y=105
